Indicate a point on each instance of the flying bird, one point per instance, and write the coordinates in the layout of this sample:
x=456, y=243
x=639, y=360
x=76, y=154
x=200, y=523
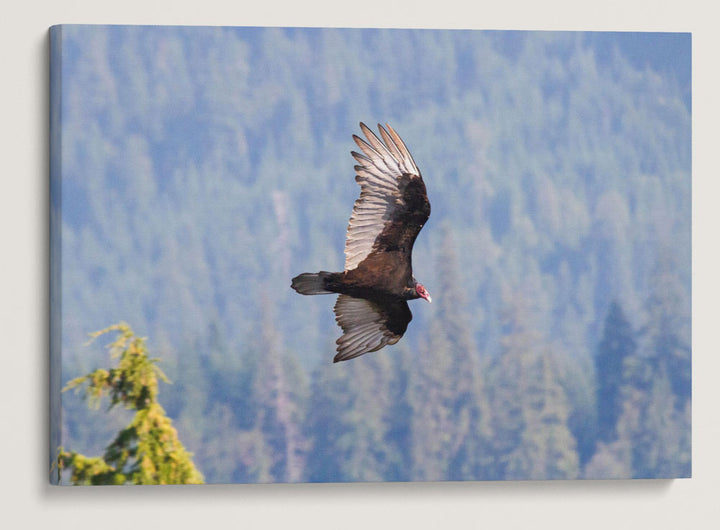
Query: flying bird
x=377, y=282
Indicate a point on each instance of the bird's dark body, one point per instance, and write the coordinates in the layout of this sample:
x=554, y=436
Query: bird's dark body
x=378, y=280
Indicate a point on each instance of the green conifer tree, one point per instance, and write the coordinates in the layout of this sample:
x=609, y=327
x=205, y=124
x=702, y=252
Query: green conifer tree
x=148, y=450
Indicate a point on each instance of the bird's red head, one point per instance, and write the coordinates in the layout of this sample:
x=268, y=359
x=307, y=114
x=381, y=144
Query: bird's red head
x=422, y=292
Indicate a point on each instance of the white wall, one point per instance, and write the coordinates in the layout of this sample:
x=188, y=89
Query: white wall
x=28, y=501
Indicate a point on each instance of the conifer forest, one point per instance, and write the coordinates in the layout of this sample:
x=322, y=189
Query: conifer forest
x=201, y=168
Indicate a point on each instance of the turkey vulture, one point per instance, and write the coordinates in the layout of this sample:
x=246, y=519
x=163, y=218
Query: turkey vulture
x=377, y=282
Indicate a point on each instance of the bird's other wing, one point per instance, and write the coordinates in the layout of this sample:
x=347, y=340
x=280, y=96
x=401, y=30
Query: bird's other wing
x=368, y=326
x=393, y=204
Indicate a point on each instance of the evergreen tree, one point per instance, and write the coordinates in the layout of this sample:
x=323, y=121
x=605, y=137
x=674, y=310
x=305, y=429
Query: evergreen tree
x=148, y=450
x=351, y=422
x=617, y=344
x=547, y=448
x=216, y=409
x=653, y=434
x=653, y=427
x=530, y=410
x=450, y=420
x=279, y=395
x=667, y=333
x=611, y=460
x=252, y=427
x=661, y=436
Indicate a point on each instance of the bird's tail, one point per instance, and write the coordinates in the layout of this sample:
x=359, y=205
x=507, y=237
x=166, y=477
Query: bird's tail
x=311, y=283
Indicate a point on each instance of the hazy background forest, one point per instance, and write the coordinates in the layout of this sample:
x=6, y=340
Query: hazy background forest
x=202, y=168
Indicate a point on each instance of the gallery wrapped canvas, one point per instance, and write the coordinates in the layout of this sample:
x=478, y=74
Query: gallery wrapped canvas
x=197, y=172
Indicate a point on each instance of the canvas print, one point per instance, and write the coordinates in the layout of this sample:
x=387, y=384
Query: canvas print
x=368, y=255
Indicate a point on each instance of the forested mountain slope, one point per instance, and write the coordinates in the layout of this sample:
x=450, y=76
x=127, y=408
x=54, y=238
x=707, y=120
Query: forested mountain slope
x=202, y=168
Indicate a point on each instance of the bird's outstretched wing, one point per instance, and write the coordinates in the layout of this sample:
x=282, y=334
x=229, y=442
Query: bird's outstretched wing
x=393, y=204
x=368, y=326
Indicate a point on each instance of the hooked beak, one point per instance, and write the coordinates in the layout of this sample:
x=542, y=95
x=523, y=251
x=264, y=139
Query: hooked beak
x=429, y=299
